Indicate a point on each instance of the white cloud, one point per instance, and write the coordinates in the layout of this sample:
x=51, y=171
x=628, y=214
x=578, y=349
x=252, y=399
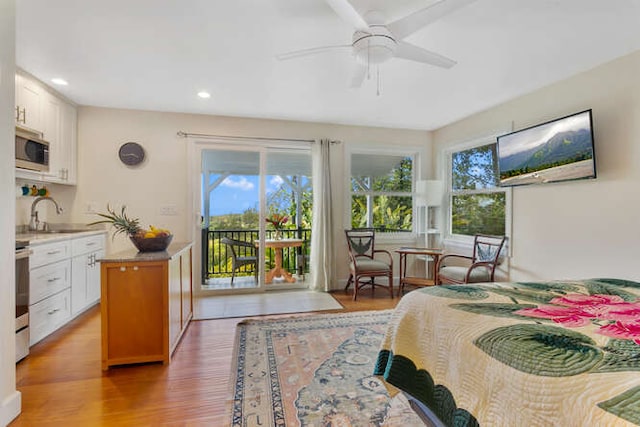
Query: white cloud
x=241, y=184
x=276, y=181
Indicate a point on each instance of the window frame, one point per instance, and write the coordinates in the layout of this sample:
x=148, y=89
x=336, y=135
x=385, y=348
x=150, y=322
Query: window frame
x=461, y=240
x=416, y=154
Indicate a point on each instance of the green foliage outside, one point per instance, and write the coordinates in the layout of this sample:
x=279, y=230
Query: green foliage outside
x=392, y=211
x=281, y=201
x=477, y=212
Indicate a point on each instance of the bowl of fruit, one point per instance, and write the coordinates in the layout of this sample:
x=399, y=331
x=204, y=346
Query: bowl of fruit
x=152, y=240
x=145, y=240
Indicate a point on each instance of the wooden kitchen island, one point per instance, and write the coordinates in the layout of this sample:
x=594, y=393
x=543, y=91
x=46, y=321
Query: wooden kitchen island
x=146, y=304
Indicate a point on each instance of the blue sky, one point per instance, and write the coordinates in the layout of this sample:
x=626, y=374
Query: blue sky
x=238, y=193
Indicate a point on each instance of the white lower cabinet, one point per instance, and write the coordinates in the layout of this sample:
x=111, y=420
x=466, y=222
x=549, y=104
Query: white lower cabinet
x=48, y=280
x=64, y=281
x=48, y=315
x=85, y=281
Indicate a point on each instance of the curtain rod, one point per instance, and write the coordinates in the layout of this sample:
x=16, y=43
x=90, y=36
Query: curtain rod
x=247, y=138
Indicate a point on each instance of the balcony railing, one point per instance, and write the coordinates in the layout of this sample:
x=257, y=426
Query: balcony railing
x=216, y=256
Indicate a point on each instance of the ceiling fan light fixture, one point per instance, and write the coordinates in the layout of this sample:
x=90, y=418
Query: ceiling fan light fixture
x=375, y=48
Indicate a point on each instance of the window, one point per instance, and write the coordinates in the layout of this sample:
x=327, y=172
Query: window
x=381, y=191
x=477, y=204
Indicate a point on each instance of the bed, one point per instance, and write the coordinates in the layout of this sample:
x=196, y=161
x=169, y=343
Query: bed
x=562, y=353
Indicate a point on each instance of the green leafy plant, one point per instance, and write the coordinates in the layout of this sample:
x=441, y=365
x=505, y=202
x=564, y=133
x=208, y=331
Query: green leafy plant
x=121, y=222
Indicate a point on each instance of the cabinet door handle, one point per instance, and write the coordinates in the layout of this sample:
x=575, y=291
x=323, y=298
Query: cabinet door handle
x=54, y=252
x=53, y=311
x=123, y=268
x=54, y=279
x=24, y=115
x=91, y=244
x=18, y=113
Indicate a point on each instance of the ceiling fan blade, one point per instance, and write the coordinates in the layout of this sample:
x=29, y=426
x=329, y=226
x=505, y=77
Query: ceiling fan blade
x=414, y=53
x=408, y=25
x=311, y=51
x=359, y=73
x=349, y=14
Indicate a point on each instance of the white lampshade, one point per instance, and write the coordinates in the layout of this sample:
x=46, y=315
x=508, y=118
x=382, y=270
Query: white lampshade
x=429, y=192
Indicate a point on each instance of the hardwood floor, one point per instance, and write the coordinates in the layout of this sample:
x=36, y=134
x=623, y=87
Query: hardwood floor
x=62, y=383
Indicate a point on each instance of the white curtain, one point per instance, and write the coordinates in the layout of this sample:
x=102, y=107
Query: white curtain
x=322, y=245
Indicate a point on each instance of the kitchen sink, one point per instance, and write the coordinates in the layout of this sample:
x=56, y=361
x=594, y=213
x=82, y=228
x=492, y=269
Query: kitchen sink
x=60, y=231
x=31, y=235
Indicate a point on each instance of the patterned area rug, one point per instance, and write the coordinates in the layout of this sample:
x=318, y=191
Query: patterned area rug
x=313, y=371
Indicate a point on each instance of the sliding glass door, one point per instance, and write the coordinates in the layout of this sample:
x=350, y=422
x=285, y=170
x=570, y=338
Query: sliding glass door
x=288, y=199
x=256, y=217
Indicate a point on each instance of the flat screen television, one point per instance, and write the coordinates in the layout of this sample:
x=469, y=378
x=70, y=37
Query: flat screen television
x=559, y=150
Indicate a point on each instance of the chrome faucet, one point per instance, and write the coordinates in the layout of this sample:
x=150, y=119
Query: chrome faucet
x=34, y=223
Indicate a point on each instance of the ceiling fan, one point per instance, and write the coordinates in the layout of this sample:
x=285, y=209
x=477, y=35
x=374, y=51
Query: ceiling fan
x=375, y=41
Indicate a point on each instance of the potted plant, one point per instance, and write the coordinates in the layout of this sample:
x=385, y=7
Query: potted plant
x=277, y=221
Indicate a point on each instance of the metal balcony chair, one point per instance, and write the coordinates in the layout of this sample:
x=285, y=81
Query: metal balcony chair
x=240, y=258
x=480, y=267
x=363, y=262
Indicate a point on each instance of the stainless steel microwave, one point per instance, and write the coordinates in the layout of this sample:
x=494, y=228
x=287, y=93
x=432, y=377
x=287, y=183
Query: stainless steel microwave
x=32, y=152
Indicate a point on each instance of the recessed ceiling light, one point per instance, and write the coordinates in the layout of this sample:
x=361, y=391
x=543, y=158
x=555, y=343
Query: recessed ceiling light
x=59, y=81
x=204, y=94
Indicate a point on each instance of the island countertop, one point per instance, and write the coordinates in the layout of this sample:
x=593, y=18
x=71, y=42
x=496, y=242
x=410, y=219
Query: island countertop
x=132, y=255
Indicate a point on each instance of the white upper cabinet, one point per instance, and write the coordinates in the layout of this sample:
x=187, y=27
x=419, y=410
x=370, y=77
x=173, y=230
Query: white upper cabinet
x=29, y=94
x=60, y=131
x=40, y=109
x=69, y=142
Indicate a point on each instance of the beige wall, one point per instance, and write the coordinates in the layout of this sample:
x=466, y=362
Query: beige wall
x=577, y=229
x=162, y=178
x=9, y=397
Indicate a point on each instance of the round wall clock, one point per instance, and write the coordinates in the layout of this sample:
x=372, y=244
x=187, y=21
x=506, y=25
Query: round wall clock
x=131, y=153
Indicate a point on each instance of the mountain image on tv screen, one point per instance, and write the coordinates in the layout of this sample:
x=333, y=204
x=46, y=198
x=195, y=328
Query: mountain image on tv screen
x=556, y=151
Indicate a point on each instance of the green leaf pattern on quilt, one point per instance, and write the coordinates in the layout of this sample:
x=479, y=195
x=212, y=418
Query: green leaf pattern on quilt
x=595, y=287
x=620, y=356
x=493, y=309
x=542, y=350
x=456, y=291
x=625, y=405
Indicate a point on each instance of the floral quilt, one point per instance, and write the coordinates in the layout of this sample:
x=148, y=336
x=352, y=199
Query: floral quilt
x=563, y=353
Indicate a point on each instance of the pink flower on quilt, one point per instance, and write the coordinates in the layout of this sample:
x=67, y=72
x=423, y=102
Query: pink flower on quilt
x=576, y=310
x=604, y=307
x=581, y=300
x=622, y=330
x=568, y=316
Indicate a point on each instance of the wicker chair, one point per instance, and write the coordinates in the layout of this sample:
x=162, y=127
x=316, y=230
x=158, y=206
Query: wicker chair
x=363, y=263
x=480, y=267
x=240, y=258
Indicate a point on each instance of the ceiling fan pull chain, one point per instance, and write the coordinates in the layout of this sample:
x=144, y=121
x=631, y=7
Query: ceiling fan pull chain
x=368, y=59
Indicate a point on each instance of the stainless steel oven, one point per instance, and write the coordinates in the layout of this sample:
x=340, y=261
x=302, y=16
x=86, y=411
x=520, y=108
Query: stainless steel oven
x=22, y=300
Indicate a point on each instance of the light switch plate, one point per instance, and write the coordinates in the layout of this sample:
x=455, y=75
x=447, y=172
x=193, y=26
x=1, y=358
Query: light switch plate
x=168, y=210
x=91, y=208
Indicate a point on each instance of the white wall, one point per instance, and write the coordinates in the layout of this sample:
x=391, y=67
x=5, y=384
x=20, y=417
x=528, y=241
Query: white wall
x=576, y=229
x=162, y=178
x=9, y=397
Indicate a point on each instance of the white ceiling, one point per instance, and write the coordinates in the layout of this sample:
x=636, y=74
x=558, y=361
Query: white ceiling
x=157, y=54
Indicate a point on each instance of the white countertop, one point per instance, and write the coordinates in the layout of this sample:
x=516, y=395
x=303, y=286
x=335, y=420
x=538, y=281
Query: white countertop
x=38, y=238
